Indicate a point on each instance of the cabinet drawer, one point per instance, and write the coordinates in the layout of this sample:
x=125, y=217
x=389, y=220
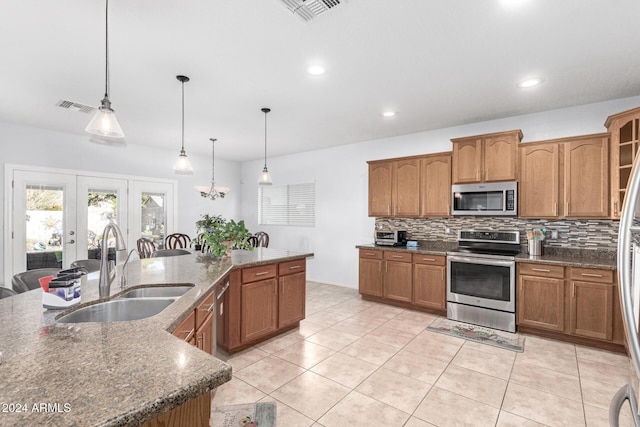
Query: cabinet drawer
x=429, y=259
x=186, y=330
x=203, y=310
x=290, y=267
x=370, y=253
x=398, y=256
x=541, y=270
x=262, y=272
x=591, y=275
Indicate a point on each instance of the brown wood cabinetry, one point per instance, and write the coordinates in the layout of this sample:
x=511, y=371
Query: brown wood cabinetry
x=394, y=187
x=591, y=295
x=397, y=282
x=429, y=281
x=624, y=129
x=187, y=329
x=564, y=178
x=204, y=325
x=435, y=185
x=483, y=158
x=540, y=296
x=261, y=302
x=380, y=182
x=370, y=272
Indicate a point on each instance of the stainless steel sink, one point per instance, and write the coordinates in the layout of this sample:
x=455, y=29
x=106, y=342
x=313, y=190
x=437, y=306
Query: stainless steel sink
x=118, y=310
x=156, y=292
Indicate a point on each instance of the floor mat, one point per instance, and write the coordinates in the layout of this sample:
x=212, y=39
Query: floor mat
x=506, y=340
x=250, y=415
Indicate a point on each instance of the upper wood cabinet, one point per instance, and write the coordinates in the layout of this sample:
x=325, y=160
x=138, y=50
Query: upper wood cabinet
x=435, y=185
x=565, y=178
x=625, y=143
x=380, y=181
x=394, y=187
x=483, y=158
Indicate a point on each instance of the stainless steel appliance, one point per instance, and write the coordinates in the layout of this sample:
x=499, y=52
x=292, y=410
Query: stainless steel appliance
x=490, y=198
x=391, y=238
x=481, y=278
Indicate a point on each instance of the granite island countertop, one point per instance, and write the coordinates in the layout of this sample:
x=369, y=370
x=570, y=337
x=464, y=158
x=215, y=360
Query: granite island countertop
x=119, y=373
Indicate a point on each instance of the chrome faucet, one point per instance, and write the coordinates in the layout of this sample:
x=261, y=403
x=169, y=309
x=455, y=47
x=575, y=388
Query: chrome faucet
x=123, y=278
x=107, y=268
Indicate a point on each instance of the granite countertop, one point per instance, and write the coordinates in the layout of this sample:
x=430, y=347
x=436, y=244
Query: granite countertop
x=585, y=258
x=119, y=373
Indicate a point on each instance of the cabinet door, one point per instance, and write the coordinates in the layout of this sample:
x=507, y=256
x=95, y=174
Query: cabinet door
x=540, y=303
x=586, y=178
x=591, y=309
x=538, y=193
x=430, y=286
x=291, y=299
x=380, y=182
x=435, y=186
x=406, y=188
x=397, y=282
x=467, y=161
x=204, y=335
x=370, y=277
x=500, y=157
x=625, y=144
x=186, y=329
x=259, y=305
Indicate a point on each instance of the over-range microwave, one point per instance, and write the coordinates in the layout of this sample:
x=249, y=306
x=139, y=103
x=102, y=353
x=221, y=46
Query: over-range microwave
x=489, y=199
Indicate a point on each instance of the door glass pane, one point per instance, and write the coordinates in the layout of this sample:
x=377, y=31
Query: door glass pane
x=153, y=214
x=102, y=207
x=44, y=226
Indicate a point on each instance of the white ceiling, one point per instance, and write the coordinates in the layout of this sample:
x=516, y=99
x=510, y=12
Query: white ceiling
x=437, y=63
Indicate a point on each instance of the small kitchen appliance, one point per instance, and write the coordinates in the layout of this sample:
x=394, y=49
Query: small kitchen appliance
x=391, y=238
x=489, y=198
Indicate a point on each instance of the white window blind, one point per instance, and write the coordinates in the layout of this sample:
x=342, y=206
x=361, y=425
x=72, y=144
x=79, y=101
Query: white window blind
x=292, y=204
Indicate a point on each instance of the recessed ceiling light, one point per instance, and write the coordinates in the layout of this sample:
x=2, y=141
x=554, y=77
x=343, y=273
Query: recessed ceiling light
x=389, y=113
x=316, y=70
x=530, y=82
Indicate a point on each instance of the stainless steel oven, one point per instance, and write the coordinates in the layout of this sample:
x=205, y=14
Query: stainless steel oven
x=481, y=278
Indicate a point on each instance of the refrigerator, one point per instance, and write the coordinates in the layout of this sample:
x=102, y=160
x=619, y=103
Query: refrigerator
x=629, y=293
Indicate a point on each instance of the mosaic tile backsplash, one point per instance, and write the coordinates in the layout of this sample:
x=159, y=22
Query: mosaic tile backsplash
x=572, y=234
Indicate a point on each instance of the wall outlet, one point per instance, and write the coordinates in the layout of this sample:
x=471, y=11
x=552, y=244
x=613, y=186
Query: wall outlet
x=554, y=234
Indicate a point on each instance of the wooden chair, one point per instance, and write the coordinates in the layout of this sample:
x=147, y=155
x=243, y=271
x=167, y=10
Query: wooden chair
x=177, y=241
x=260, y=239
x=169, y=252
x=146, y=247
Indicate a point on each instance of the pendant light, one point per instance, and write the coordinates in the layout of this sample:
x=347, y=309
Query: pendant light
x=183, y=166
x=104, y=122
x=265, y=179
x=213, y=192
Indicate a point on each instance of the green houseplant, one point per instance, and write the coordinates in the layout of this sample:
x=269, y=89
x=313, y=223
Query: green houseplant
x=226, y=235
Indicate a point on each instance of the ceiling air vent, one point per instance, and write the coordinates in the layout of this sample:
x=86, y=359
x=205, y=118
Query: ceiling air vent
x=74, y=106
x=309, y=9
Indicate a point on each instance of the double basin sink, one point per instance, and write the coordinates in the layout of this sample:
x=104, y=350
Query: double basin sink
x=134, y=304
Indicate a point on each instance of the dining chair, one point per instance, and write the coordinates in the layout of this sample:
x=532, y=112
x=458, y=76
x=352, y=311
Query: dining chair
x=89, y=265
x=177, y=241
x=259, y=239
x=146, y=247
x=169, y=252
x=28, y=280
x=6, y=292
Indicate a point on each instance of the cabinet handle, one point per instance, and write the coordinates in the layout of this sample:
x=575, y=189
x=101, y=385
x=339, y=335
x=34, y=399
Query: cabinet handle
x=443, y=274
x=294, y=267
x=591, y=275
x=615, y=208
x=386, y=267
x=478, y=174
x=544, y=270
x=555, y=208
x=369, y=253
x=574, y=290
x=262, y=273
x=389, y=210
x=397, y=256
x=566, y=212
x=428, y=259
x=223, y=290
x=210, y=308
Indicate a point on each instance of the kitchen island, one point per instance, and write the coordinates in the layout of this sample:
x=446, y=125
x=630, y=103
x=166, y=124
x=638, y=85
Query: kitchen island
x=119, y=373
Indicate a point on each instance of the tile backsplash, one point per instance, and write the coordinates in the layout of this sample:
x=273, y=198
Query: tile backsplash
x=572, y=234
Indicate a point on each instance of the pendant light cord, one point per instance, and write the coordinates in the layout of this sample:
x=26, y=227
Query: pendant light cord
x=265, y=139
x=182, y=150
x=213, y=163
x=106, y=50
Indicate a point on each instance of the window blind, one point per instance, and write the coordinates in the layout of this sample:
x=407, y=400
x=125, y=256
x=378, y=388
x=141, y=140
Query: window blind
x=291, y=204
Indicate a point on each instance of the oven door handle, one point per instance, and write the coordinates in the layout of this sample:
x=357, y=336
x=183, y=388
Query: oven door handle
x=483, y=261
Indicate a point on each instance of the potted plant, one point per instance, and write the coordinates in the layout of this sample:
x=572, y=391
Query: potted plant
x=226, y=235
x=205, y=224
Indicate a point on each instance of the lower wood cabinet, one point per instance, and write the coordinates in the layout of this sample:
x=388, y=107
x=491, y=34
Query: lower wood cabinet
x=540, y=297
x=396, y=279
x=261, y=302
x=430, y=281
x=591, y=294
x=370, y=272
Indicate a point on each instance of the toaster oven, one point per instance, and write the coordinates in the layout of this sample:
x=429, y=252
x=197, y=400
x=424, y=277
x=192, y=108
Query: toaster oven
x=391, y=238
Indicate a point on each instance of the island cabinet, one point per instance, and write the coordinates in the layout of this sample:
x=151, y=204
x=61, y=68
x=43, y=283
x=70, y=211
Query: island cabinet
x=565, y=178
x=624, y=129
x=261, y=302
x=484, y=158
x=197, y=327
x=404, y=279
x=575, y=304
x=394, y=187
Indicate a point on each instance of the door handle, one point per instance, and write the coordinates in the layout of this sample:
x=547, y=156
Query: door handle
x=70, y=242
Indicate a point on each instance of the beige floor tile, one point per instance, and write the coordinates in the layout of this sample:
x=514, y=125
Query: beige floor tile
x=473, y=385
x=279, y=342
x=333, y=338
x=418, y=317
x=598, y=417
x=380, y=313
x=357, y=326
x=496, y=365
x=596, y=393
x=311, y=394
x=610, y=358
x=444, y=338
x=370, y=350
x=245, y=358
x=417, y=422
x=305, y=354
x=543, y=407
x=325, y=319
x=506, y=419
x=603, y=372
x=286, y=416
x=308, y=328
x=561, y=349
x=443, y=408
x=546, y=358
x=422, y=368
x=406, y=325
x=543, y=379
x=399, y=391
x=491, y=349
x=433, y=349
x=359, y=410
x=344, y=369
x=236, y=392
x=391, y=336
x=269, y=373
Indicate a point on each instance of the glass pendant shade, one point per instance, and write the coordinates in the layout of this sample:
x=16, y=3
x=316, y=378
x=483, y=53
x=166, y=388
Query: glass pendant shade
x=183, y=165
x=265, y=178
x=105, y=123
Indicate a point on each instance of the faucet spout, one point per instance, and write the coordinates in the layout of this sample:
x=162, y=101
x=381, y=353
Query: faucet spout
x=107, y=268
